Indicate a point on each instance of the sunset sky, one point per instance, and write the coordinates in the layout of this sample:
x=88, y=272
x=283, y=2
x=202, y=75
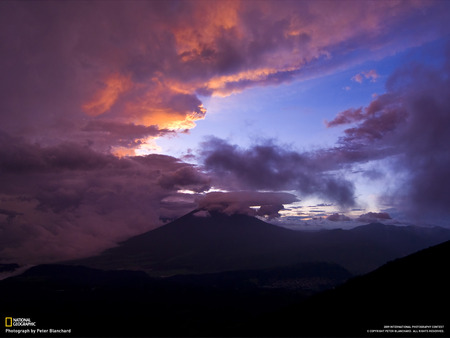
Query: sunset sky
x=119, y=115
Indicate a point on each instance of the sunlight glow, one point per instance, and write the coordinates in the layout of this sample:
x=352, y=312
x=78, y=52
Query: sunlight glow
x=105, y=97
x=149, y=147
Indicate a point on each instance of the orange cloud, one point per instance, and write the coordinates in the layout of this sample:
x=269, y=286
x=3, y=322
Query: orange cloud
x=223, y=85
x=155, y=103
x=209, y=18
x=123, y=152
x=106, y=97
x=171, y=107
x=167, y=58
x=167, y=120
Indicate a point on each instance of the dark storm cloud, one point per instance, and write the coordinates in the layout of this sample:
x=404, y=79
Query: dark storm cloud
x=272, y=167
x=408, y=124
x=239, y=202
x=123, y=130
x=338, y=218
x=18, y=156
x=69, y=201
x=187, y=177
x=374, y=217
x=106, y=135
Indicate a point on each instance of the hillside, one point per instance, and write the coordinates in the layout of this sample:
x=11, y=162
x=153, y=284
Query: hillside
x=410, y=294
x=95, y=303
x=219, y=243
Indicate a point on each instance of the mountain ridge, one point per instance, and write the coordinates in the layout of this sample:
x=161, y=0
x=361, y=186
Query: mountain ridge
x=131, y=303
x=197, y=244
x=404, y=294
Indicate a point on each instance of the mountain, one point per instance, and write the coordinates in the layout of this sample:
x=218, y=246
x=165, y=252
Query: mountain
x=8, y=267
x=218, y=243
x=93, y=302
x=405, y=297
x=305, y=279
x=411, y=293
x=203, y=244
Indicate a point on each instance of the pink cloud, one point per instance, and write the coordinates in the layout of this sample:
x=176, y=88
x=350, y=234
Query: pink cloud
x=371, y=75
x=347, y=116
x=144, y=63
x=358, y=78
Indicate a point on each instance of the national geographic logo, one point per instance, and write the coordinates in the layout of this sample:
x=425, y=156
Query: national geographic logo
x=8, y=321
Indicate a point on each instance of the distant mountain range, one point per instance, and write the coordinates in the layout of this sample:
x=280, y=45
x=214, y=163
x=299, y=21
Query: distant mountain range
x=410, y=293
x=407, y=297
x=239, y=276
x=94, y=302
x=193, y=244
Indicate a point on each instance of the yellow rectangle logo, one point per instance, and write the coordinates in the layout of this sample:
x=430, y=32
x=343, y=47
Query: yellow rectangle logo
x=8, y=321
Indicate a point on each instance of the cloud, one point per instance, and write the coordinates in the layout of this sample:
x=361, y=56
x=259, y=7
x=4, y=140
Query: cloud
x=187, y=177
x=338, y=218
x=271, y=167
x=149, y=63
x=202, y=213
x=69, y=201
x=345, y=117
x=113, y=136
x=240, y=202
x=358, y=78
x=371, y=75
x=374, y=216
x=10, y=214
x=383, y=115
x=409, y=126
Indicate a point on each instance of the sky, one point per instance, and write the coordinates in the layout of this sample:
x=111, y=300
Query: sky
x=118, y=116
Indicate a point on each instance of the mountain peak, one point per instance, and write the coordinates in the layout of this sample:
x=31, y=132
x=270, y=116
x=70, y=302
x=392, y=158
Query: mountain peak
x=204, y=242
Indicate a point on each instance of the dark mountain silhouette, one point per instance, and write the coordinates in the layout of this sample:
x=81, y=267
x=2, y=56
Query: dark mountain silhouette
x=8, y=267
x=407, y=297
x=306, y=278
x=94, y=302
x=203, y=244
x=218, y=243
x=410, y=293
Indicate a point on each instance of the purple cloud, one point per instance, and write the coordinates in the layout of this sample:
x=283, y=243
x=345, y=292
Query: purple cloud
x=338, y=218
x=240, y=202
x=271, y=167
x=347, y=116
x=374, y=217
x=69, y=201
x=409, y=125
